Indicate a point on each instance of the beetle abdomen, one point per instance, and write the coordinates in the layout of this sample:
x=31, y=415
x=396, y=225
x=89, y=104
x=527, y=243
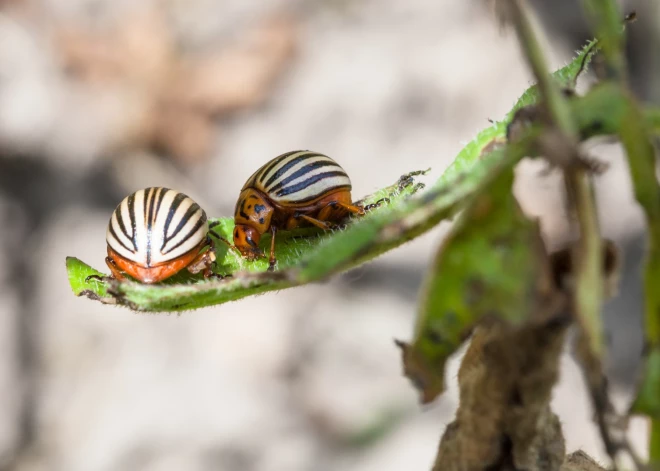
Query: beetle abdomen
x=156, y=225
x=299, y=177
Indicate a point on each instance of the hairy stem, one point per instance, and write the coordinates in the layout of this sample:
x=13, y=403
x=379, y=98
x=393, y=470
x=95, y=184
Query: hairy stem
x=606, y=21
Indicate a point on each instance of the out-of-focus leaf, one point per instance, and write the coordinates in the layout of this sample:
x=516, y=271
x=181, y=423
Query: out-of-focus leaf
x=648, y=399
x=491, y=265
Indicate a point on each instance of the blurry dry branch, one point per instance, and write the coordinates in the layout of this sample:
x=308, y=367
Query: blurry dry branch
x=580, y=461
x=178, y=95
x=504, y=420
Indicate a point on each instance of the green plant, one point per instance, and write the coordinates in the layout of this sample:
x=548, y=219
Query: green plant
x=493, y=271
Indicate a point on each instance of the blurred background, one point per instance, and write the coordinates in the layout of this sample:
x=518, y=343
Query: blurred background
x=99, y=98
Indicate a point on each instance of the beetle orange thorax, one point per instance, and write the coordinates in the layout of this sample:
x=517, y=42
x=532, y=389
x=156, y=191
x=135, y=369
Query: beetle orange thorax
x=253, y=210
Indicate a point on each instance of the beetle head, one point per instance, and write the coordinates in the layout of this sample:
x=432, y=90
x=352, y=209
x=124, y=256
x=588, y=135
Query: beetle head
x=246, y=239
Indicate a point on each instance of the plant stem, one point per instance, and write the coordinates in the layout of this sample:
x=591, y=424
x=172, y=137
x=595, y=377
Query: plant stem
x=550, y=93
x=589, y=286
x=606, y=21
x=589, y=274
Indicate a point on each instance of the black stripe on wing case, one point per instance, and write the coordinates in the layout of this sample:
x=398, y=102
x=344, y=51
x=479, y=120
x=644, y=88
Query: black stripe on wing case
x=131, y=214
x=190, y=233
x=303, y=171
x=161, y=197
x=150, y=220
x=272, y=164
x=286, y=167
x=326, y=192
x=310, y=181
x=176, y=202
x=184, y=220
x=117, y=239
x=120, y=220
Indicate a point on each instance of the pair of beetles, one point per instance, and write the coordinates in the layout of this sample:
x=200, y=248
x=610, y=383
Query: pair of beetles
x=156, y=232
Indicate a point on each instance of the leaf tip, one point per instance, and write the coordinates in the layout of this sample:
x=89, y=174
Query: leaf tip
x=427, y=381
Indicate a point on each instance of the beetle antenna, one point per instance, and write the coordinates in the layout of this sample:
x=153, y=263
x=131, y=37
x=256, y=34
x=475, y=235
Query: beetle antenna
x=224, y=241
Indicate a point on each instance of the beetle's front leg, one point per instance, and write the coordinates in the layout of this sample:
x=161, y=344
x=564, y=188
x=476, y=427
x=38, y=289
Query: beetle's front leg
x=114, y=269
x=272, y=261
x=336, y=211
x=204, y=261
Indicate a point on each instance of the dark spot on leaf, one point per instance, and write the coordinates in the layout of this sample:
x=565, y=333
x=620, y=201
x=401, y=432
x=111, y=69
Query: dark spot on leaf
x=450, y=319
x=595, y=126
x=474, y=291
x=568, y=92
x=494, y=144
x=434, y=336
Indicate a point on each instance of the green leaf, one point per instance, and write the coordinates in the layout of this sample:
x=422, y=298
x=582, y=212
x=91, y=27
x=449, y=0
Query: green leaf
x=309, y=255
x=78, y=273
x=489, y=266
x=648, y=399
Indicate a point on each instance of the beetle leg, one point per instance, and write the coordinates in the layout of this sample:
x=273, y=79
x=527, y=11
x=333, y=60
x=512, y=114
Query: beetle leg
x=336, y=211
x=325, y=225
x=114, y=269
x=351, y=208
x=272, y=261
x=204, y=261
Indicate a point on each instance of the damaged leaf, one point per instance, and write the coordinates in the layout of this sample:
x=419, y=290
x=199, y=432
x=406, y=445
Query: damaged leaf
x=493, y=264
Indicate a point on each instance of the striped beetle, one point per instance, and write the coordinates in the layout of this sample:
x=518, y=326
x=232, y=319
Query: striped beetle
x=155, y=233
x=295, y=189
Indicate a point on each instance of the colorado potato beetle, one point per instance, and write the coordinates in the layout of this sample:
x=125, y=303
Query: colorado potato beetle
x=157, y=232
x=299, y=188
